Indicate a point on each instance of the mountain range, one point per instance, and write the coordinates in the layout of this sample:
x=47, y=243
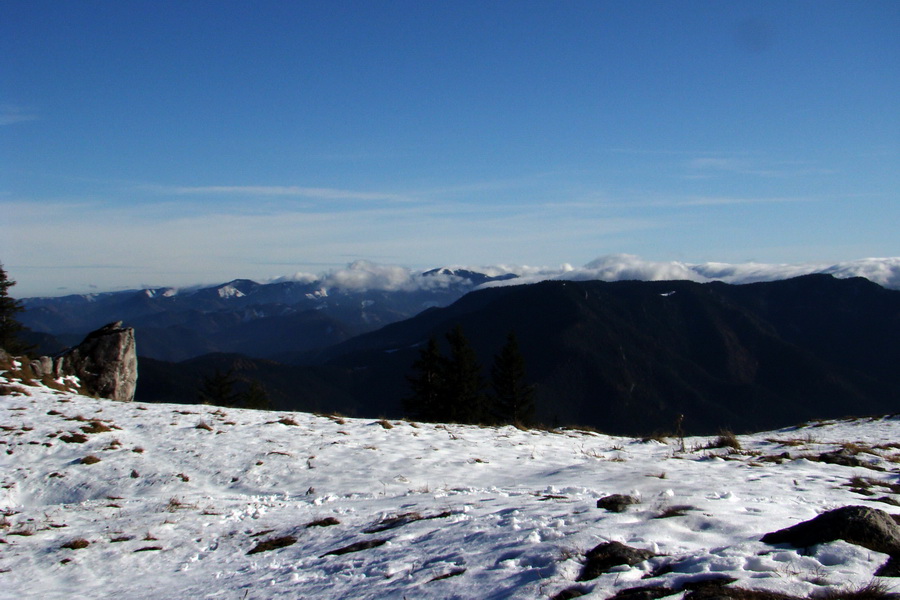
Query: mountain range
x=622, y=356
x=271, y=320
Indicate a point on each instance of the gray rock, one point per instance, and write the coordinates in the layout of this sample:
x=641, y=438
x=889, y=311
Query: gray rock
x=841, y=457
x=42, y=366
x=867, y=527
x=616, y=502
x=611, y=554
x=105, y=363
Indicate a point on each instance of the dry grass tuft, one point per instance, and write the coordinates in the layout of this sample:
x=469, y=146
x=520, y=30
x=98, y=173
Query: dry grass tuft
x=678, y=510
x=726, y=439
x=326, y=522
x=273, y=544
x=96, y=427
x=874, y=590
x=76, y=544
x=355, y=547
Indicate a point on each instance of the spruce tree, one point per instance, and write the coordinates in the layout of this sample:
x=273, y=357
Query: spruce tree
x=425, y=403
x=513, y=396
x=218, y=389
x=464, y=386
x=10, y=328
x=256, y=397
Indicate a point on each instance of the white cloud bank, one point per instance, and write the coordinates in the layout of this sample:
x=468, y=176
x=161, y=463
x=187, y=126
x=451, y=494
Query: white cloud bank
x=619, y=267
x=364, y=275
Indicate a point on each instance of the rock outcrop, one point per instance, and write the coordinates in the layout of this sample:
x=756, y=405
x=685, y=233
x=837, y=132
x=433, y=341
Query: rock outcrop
x=105, y=363
x=867, y=527
x=608, y=555
x=617, y=502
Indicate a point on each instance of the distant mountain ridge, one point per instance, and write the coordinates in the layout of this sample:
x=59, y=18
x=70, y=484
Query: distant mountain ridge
x=287, y=318
x=263, y=320
x=624, y=357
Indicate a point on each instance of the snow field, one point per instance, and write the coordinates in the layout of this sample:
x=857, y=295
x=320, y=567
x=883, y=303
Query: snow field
x=181, y=494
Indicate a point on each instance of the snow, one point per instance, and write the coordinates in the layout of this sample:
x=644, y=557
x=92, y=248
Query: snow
x=229, y=291
x=171, y=509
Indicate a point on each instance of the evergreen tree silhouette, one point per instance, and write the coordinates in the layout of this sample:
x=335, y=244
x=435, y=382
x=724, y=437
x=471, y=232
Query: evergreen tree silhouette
x=425, y=403
x=218, y=389
x=10, y=328
x=513, y=400
x=256, y=397
x=464, y=384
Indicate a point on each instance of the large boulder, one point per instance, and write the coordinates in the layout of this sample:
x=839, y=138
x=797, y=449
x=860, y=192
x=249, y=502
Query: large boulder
x=867, y=527
x=617, y=502
x=105, y=363
x=607, y=555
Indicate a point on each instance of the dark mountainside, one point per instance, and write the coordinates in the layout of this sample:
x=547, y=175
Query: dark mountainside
x=628, y=357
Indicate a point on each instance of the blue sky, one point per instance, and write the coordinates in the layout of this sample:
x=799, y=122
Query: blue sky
x=169, y=143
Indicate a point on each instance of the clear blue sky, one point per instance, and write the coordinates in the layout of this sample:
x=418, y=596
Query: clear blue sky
x=167, y=143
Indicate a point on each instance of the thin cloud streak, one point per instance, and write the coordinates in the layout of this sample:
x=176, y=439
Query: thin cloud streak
x=286, y=191
x=10, y=114
x=707, y=167
x=681, y=202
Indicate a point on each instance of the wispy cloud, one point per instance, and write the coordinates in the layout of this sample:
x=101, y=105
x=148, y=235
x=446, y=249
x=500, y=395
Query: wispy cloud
x=706, y=167
x=10, y=114
x=726, y=201
x=682, y=202
x=286, y=191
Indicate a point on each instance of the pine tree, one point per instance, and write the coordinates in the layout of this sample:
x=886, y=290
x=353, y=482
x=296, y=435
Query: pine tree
x=464, y=385
x=427, y=385
x=513, y=397
x=256, y=397
x=10, y=328
x=218, y=389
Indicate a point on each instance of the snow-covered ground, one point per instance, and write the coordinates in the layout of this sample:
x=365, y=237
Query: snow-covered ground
x=181, y=495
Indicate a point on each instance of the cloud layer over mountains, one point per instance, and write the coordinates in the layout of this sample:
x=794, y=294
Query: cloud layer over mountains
x=364, y=275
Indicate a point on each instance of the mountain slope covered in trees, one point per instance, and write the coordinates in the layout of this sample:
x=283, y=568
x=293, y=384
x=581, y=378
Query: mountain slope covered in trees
x=633, y=356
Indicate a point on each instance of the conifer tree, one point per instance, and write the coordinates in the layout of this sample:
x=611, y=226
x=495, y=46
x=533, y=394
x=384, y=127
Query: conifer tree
x=218, y=389
x=464, y=385
x=10, y=328
x=513, y=396
x=427, y=384
x=256, y=397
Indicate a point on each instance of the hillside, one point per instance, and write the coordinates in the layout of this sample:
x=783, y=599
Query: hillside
x=629, y=356
x=110, y=500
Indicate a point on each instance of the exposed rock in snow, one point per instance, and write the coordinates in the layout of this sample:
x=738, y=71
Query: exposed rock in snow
x=105, y=363
x=861, y=525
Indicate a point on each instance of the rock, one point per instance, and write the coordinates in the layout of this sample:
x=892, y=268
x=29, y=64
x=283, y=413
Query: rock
x=889, y=569
x=727, y=593
x=611, y=554
x=616, y=502
x=571, y=592
x=647, y=592
x=42, y=366
x=867, y=527
x=105, y=363
x=841, y=457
